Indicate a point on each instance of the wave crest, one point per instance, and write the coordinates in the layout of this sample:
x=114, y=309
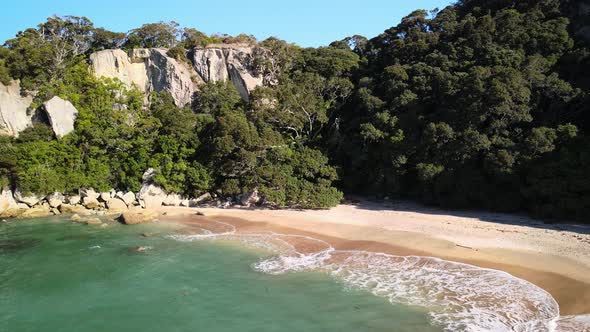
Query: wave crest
x=459, y=297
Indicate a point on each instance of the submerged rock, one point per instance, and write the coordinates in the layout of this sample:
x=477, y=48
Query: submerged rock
x=8, y=245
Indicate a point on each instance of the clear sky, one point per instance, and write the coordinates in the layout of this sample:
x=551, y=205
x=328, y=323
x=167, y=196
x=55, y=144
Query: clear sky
x=305, y=22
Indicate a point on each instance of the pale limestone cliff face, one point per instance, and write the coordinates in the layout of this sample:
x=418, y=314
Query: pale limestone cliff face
x=153, y=70
x=117, y=64
x=61, y=114
x=148, y=70
x=227, y=62
x=13, y=110
x=167, y=74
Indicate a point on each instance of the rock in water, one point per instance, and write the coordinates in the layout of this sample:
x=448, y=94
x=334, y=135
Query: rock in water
x=61, y=115
x=13, y=109
x=138, y=217
x=36, y=212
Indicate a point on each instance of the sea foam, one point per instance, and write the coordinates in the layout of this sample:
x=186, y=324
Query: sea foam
x=458, y=297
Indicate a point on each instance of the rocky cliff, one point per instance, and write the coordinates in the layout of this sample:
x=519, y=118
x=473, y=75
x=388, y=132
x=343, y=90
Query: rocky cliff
x=148, y=70
x=153, y=70
x=15, y=115
x=13, y=109
x=228, y=62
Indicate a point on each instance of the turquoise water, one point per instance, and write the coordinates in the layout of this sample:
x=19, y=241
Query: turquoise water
x=61, y=276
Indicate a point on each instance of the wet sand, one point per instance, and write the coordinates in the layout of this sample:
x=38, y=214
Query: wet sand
x=565, y=277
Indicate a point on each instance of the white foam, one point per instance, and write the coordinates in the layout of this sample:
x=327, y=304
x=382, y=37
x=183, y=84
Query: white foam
x=459, y=297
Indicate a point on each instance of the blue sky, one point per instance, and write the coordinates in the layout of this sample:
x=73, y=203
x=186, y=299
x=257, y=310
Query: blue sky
x=305, y=22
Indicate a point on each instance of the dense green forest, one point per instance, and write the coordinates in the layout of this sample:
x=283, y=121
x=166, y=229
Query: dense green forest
x=482, y=104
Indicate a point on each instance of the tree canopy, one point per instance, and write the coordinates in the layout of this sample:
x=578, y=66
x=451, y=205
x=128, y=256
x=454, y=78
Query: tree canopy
x=483, y=104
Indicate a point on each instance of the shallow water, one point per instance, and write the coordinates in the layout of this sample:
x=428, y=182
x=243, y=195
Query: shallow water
x=61, y=276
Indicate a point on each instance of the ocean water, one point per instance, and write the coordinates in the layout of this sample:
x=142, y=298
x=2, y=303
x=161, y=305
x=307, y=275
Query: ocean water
x=61, y=276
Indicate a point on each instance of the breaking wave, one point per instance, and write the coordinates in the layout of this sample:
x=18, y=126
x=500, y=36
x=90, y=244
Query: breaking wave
x=458, y=297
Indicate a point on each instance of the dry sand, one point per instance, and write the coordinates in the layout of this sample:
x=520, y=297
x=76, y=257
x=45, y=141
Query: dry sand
x=554, y=257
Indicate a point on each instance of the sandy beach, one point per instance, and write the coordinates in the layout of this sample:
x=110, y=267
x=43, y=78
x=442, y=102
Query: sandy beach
x=553, y=257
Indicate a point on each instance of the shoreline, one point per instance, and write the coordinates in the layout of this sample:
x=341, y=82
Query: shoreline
x=527, y=251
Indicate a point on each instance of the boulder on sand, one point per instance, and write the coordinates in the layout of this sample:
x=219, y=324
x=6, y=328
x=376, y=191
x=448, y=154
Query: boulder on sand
x=151, y=194
x=115, y=205
x=137, y=216
x=250, y=198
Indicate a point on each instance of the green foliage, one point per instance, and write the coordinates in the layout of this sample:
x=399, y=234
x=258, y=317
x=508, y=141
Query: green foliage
x=44, y=167
x=245, y=152
x=178, y=53
x=103, y=39
x=483, y=104
x=217, y=97
x=458, y=108
x=162, y=34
